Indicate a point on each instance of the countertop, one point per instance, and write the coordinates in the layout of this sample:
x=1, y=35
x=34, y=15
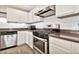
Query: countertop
x=66, y=35
x=18, y=29
x=12, y=29
x=70, y=35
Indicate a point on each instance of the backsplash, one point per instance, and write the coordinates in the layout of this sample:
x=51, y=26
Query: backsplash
x=65, y=23
x=13, y=25
x=40, y=25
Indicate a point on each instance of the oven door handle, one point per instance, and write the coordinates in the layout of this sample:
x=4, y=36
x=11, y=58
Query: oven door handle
x=44, y=40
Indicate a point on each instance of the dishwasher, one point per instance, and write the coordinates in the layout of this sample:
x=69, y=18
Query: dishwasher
x=8, y=39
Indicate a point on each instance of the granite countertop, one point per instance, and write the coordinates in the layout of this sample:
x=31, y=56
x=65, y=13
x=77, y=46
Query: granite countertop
x=66, y=35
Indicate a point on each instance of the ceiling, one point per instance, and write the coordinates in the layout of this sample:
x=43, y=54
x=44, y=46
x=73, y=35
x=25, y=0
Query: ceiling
x=23, y=7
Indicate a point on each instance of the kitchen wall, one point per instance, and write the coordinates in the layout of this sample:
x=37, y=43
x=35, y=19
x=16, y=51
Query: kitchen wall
x=46, y=21
x=40, y=25
x=32, y=17
x=65, y=23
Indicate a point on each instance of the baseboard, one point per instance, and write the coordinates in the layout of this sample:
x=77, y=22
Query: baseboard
x=8, y=47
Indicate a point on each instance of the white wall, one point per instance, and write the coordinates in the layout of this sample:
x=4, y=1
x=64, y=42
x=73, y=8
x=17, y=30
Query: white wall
x=66, y=23
x=32, y=17
x=13, y=25
x=40, y=25
x=49, y=20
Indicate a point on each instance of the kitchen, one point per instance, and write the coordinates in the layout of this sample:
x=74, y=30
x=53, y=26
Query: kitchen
x=39, y=29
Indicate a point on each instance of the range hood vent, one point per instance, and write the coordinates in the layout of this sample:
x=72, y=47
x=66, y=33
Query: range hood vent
x=46, y=12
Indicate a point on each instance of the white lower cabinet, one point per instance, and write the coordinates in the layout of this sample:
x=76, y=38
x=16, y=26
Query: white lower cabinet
x=29, y=38
x=75, y=48
x=59, y=46
x=21, y=36
x=25, y=37
x=54, y=49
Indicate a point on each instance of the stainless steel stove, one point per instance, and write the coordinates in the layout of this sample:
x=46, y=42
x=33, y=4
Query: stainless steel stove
x=41, y=42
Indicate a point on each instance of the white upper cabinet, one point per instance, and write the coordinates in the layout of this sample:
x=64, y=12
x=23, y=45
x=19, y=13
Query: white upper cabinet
x=3, y=9
x=76, y=8
x=64, y=10
x=3, y=14
x=14, y=15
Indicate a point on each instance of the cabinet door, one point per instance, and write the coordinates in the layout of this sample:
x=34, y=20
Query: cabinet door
x=62, y=10
x=75, y=47
x=14, y=15
x=62, y=45
x=21, y=37
x=76, y=8
x=54, y=49
x=29, y=39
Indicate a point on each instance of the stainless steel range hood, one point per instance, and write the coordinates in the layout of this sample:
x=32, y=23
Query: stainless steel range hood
x=46, y=12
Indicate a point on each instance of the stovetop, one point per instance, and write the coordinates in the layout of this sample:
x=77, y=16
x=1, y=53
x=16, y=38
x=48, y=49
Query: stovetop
x=42, y=33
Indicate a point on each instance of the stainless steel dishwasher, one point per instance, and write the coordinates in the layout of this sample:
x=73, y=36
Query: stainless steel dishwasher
x=8, y=39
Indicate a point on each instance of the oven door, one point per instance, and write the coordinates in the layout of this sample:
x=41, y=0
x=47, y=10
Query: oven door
x=40, y=44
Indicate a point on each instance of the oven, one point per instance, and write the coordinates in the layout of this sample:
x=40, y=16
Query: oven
x=40, y=43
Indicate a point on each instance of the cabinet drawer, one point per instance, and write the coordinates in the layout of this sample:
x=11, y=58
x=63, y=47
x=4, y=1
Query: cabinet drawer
x=67, y=45
x=54, y=49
